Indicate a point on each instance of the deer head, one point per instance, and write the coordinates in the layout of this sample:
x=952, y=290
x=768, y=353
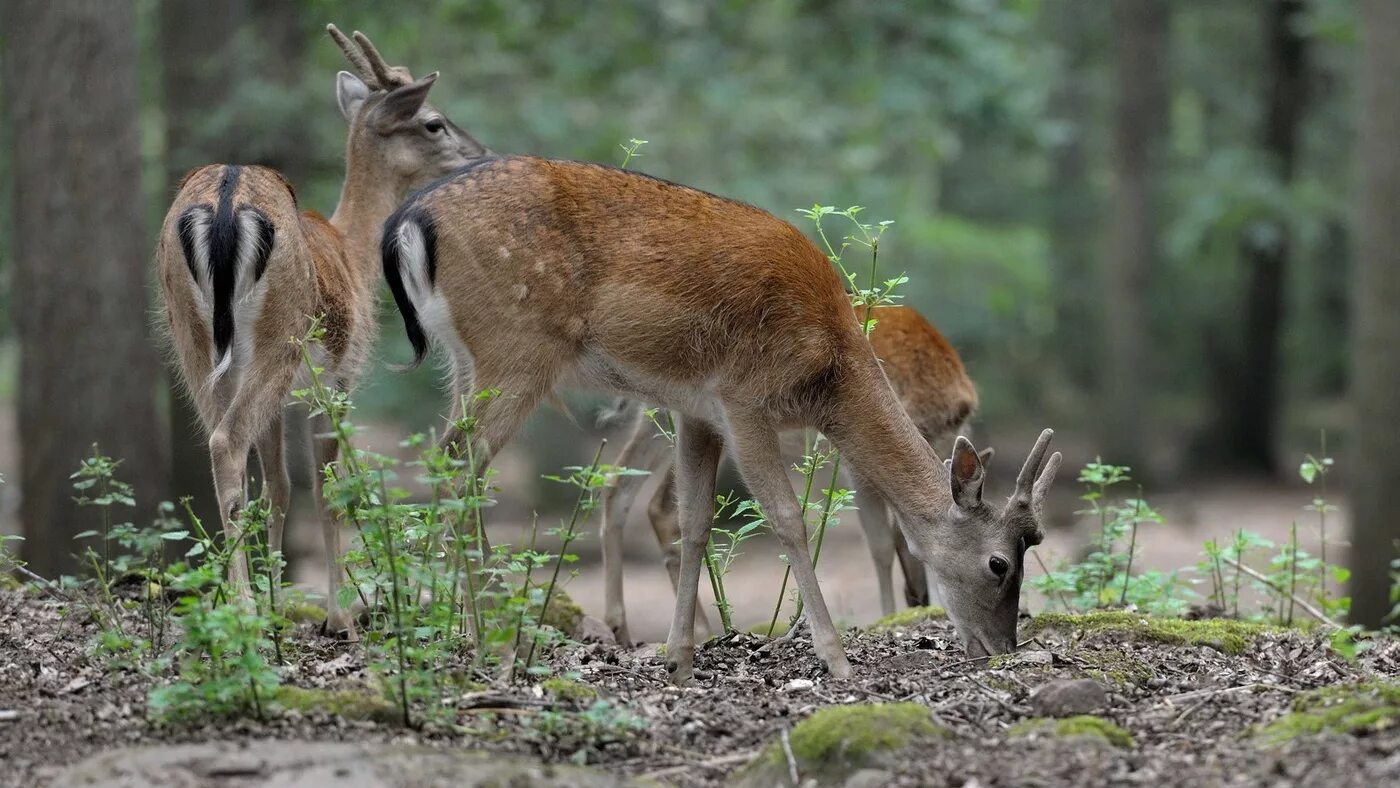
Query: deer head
x=396, y=137
x=978, y=551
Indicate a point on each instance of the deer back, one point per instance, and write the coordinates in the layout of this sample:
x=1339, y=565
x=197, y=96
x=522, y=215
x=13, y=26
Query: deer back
x=925, y=371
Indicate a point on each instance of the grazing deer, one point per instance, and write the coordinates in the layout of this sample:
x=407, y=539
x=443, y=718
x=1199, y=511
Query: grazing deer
x=533, y=273
x=928, y=378
x=242, y=271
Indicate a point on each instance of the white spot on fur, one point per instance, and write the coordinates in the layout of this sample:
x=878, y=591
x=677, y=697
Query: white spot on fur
x=521, y=292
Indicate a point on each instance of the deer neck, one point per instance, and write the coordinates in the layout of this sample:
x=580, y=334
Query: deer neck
x=884, y=446
x=365, y=202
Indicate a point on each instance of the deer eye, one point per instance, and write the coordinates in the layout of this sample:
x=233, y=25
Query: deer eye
x=999, y=566
x=434, y=126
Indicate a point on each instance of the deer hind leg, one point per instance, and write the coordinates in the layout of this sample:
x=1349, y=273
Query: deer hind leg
x=324, y=451
x=665, y=522
x=255, y=404
x=879, y=537
x=698, y=449
x=277, y=487
x=643, y=451
x=761, y=461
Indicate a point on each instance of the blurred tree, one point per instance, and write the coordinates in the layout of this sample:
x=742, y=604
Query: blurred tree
x=1375, y=371
x=1140, y=40
x=87, y=369
x=1251, y=382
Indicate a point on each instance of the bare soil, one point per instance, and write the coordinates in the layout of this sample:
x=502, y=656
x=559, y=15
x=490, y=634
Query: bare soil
x=1191, y=709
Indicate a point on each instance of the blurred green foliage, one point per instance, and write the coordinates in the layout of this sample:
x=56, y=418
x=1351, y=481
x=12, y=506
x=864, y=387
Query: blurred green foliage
x=945, y=116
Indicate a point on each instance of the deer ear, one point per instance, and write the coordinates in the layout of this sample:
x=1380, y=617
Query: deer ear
x=402, y=103
x=986, y=455
x=965, y=475
x=350, y=93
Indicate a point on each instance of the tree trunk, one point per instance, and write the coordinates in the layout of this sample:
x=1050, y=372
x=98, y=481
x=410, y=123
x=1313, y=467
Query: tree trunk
x=1252, y=383
x=1140, y=36
x=1072, y=210
x=1375, y=470
x=88, y=372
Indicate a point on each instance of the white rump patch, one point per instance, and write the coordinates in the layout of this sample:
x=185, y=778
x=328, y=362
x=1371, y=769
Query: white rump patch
x=433, y=313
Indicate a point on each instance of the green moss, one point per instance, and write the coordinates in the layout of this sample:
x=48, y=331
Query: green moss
x=1225, y=635
x=349, y=704
x=1356, y=709
x=567, y=689
x=1085, y=725
x=908, y=618
x=563, y=613
x=839, y=737
x=303, y=612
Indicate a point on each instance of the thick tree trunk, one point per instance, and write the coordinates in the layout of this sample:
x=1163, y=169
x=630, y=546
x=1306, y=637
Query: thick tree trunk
x=1375, y=384
x=1252, y=383
x=1140, y=37
x=88, y=371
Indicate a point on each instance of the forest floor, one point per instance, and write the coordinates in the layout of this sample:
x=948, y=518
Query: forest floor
x=1174, y=703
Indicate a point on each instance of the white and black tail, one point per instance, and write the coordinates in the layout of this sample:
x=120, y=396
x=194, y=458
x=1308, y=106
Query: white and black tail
x=226, y=249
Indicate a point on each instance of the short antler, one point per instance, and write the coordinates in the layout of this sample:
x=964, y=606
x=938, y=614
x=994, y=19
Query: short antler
x=1032, y=483
x=372, y=68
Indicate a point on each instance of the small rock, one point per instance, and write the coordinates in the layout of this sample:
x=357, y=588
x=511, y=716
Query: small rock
x=1035, y=658
x=75, y=685
x=1068, y=697
x=9, y=715
x=799, y=685
x=591, y=630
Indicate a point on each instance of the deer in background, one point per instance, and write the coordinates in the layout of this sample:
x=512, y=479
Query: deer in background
x=533, y=274
x=242, y=271
x=928, y=378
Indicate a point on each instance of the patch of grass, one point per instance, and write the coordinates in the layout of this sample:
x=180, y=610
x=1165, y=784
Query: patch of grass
x=1225, y=635
x=1354, y=710
x=347, y=704
x=568, y=689
x=838, y=739
x=908, y=618
x=1083, y=725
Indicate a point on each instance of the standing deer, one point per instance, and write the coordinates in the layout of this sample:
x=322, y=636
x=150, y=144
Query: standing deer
x=533, y=273
x=932, y=385
x=242, y=271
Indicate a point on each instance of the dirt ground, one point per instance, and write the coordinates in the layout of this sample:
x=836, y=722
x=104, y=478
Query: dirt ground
x=1190, y=710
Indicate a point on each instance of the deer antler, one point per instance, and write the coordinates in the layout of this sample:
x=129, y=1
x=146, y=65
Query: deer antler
x=363, y=55
x=1031, y=482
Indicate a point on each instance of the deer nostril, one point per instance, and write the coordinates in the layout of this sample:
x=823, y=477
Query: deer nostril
x=999, y=565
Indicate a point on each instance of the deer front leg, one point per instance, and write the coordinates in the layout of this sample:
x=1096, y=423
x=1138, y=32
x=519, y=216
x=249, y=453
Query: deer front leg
x=643, y=451
x=324, y=451
x=761, y=462
x=665, y=523
x=698, y=449
x=916, y=585
x=879, y=536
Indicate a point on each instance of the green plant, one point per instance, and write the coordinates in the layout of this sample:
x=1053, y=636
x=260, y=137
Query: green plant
x=583, y=735
x=720, y=553
x=1314, y=471
x=1105, y=576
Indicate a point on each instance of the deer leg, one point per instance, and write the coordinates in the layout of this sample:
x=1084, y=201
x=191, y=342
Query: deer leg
x=324, y=451
x=277, y=488
x=643, y=451
x=916, y=585
x=698, y=449
x=253, y=407
x=666, y=525
x=761, y=462
x=875, y=523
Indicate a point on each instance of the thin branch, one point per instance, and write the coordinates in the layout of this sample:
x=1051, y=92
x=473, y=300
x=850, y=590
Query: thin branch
x=1308, y=608
x=791, y=761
